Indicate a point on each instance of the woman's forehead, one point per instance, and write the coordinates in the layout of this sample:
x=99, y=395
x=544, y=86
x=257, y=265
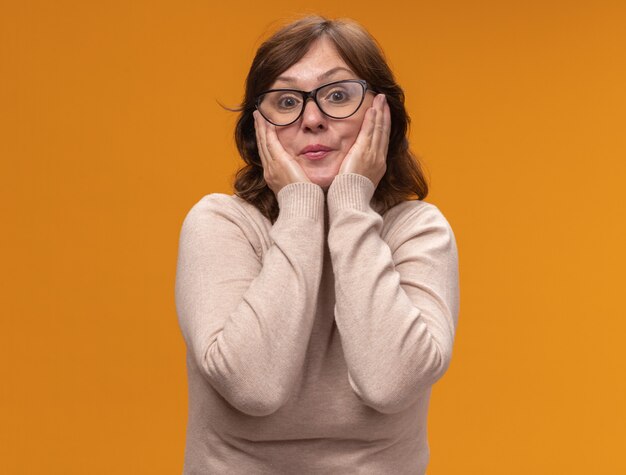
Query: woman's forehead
x=322, y=63
x=338, y=72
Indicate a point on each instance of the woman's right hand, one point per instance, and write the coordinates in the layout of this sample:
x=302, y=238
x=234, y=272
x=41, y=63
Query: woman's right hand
x=279, y=168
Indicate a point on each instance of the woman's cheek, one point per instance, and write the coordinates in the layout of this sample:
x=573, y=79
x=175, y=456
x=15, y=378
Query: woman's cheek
x=351, y=135
x=285, y=141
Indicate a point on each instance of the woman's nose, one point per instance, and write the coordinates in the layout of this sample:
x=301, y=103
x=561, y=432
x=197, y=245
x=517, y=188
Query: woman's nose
x=312, y=116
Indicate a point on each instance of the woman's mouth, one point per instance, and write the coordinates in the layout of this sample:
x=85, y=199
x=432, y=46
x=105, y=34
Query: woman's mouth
x=315, y=152
x=317, y=155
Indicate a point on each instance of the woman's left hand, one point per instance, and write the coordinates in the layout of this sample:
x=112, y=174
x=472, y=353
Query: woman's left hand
x=368, y=155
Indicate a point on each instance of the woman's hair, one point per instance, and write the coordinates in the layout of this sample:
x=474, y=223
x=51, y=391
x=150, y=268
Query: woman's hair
x=403, y=179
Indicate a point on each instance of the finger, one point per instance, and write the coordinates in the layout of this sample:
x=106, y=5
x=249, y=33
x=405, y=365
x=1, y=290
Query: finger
x=274, y=147
x=364, y=139
x=377, y=136
x=386, y=127
x=260, y=135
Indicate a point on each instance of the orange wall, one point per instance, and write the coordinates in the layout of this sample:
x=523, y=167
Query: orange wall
x=110, y=132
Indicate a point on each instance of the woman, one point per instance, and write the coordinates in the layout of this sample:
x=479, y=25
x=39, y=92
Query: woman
x=319, y=303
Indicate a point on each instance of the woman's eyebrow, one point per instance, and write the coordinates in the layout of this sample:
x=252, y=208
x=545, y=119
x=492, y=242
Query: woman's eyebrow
x=325, y=75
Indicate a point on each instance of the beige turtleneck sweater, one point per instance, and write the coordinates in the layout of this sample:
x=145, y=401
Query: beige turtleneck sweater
x=313, y=343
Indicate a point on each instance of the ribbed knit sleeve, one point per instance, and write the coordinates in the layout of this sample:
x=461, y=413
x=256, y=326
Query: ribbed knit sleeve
x=396, y=304
x=247, y=323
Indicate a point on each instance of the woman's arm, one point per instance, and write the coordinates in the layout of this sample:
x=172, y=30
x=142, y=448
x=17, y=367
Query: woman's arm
x=247, y=323
x=396, y=305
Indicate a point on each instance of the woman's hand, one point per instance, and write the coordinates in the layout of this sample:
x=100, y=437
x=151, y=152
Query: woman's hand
x=279, y=168
x=368, y=155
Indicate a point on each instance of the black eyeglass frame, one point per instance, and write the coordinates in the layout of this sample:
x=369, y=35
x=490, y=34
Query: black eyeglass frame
x=306, y=95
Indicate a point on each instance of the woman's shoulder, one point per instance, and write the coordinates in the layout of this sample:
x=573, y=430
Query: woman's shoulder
x=225, y=206
x=223, y=215
x=414, y=211
x=414, y=217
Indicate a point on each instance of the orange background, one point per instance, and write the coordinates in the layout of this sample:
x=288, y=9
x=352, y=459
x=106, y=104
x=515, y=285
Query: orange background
x=110, y=132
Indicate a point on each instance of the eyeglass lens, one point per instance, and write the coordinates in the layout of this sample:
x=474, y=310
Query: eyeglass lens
x=339, y=100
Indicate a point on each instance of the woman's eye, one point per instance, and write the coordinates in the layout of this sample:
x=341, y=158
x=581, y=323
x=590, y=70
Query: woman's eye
x=287, y=102
x=337, y=96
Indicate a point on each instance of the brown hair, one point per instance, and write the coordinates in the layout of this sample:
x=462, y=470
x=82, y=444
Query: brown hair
x=403, y=179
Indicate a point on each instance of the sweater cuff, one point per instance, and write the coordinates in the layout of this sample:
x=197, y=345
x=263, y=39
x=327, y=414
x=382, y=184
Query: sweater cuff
x=302, y=199
x=350, y=190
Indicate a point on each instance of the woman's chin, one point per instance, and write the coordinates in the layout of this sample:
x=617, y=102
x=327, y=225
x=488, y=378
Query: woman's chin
x=324, y=182
x=320, y=178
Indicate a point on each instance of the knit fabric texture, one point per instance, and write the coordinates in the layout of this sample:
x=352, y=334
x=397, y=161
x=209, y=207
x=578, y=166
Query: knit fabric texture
x=313, y=343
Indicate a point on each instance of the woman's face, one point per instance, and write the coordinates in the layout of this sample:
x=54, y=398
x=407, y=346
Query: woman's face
x=320, y=65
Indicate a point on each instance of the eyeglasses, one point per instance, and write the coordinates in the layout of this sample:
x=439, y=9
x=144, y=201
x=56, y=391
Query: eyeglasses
x=338, y=100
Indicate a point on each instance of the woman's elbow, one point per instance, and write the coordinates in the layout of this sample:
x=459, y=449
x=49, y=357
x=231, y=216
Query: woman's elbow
x=259, y=396
x=404, y=390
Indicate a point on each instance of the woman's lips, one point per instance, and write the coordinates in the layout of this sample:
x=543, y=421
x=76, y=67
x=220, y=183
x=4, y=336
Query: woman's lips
x=316, y=151
x=317, y=155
